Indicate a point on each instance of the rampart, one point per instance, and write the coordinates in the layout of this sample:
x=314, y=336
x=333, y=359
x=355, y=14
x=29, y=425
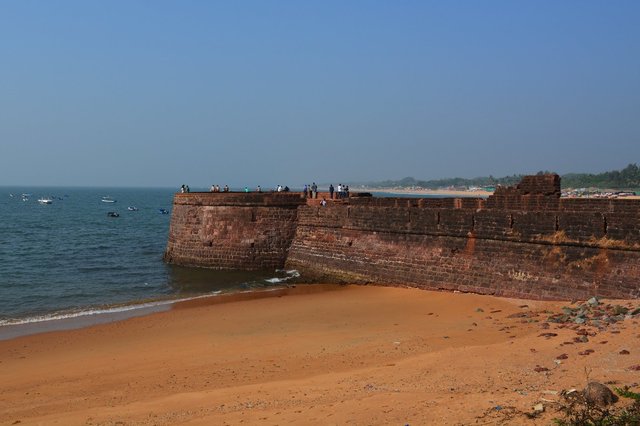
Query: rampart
x=227, y=230
x=524, y=241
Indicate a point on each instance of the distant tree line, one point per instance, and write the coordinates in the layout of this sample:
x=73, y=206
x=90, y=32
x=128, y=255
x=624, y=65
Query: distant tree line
x=627, y=178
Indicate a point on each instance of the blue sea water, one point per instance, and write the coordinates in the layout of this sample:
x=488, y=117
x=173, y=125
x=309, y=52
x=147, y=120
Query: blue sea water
x=70, y=258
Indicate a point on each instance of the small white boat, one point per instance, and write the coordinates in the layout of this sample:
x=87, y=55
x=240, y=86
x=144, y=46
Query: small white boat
x=132, y=208
x=44, y=200
x=108, y=200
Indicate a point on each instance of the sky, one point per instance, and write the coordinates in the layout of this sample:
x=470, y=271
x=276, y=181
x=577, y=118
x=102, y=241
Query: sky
x=267, y=92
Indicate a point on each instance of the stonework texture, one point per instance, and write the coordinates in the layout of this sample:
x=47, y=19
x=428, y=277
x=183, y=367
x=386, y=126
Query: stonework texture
x=232, y=230
x=523, y=241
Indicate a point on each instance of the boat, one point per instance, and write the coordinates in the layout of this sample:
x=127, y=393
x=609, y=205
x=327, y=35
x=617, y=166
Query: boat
x=132, y=208
x=108, y=199
x=163, y=211
x=45, y=200
x=113, y=214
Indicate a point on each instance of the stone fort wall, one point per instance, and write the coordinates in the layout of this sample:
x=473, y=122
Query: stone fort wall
x=227, y=230
x=523, y=241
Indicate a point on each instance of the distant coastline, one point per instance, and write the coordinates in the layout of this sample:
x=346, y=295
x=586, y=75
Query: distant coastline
x=469, y=193
x=427, y=192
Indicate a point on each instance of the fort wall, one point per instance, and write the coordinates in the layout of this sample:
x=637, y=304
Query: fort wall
x=524, y=241
x=226, y=230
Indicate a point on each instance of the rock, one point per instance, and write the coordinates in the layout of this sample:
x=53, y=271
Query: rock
x=579, y=320
x=479, y=310
x=548, y=335
x=620, y=310
x=562, y=356
x=598, y=394
x=624, y=352
x=634, y=367
x=593, y=301
x=539, y=369
x=538, y=408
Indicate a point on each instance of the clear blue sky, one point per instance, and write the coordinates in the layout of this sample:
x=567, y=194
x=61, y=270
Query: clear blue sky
x=161, y=93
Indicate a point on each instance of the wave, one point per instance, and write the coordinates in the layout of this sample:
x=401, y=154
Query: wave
x=141, y=307
x=290, y=274
x=56, y=316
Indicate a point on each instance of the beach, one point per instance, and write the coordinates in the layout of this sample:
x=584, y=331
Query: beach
x=315, y=354
x=452, y=193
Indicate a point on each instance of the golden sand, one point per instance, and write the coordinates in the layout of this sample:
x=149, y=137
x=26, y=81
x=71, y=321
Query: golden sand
x=313, y=355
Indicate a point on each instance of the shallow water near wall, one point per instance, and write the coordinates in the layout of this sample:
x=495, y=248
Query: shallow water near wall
x=71, y=258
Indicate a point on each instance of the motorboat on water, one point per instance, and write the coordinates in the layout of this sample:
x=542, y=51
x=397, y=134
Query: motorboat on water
x=163, y=211
x=45, y=200
x=132, y=208
x=108, y=199
x=113, y=214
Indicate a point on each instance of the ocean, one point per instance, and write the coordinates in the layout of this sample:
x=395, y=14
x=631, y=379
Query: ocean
x=71, y=258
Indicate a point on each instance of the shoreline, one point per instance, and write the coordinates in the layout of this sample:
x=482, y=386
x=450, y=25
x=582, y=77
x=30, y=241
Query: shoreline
x=313, y=354
x=96, y=316
x=460, y=193
x=438, y=192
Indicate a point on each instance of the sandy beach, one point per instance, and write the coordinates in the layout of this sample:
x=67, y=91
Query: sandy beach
x=315, y=355
x=456, y=193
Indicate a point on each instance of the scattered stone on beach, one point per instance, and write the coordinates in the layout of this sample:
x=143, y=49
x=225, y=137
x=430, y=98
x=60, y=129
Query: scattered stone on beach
x=598, y=394
x=562, y=356
x=624, y=352
x=635, y=367
x=539, y=369
x=586, y=352
x=594, y=313
x=548, y=335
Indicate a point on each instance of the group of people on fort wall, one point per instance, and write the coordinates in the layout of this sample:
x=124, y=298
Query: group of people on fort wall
x=309, y=191
x=216, y=188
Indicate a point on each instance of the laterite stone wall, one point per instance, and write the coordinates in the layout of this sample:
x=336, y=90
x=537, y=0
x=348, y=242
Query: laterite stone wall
x=523, y=241
x=225, y=230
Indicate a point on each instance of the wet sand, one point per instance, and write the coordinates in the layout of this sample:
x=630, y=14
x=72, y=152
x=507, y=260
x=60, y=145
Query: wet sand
x=312, y=355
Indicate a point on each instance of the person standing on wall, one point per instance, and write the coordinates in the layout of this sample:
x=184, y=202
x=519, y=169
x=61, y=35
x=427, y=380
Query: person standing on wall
x=314, y=190
x=331, y=191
